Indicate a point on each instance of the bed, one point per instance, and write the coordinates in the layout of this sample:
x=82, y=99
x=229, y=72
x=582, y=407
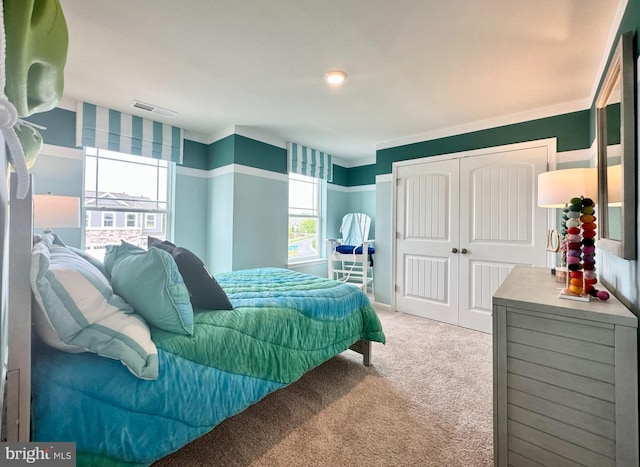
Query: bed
x=122, y=410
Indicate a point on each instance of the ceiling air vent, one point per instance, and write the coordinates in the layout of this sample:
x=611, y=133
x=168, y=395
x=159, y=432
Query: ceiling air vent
x=152, y=108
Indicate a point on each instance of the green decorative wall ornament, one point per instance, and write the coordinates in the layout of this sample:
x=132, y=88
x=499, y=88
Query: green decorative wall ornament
x=34, y=40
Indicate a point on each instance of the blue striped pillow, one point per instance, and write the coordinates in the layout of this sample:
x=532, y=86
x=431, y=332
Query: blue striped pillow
x=80, y=313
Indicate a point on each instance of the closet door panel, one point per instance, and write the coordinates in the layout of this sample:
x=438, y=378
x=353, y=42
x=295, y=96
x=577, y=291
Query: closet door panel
x=427, y=210
x=500, y=225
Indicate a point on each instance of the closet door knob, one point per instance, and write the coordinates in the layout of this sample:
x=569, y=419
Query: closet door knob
x=454, y=250
x=463, y=251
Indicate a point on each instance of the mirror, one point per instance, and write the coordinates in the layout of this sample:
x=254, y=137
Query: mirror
x=616, y=146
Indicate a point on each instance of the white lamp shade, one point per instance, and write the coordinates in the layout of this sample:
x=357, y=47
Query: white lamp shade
x=51, y=211
x=556, y=188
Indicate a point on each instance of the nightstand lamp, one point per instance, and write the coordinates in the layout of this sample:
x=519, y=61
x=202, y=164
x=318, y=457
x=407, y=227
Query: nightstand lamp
x=52, y=211
x=576, y=192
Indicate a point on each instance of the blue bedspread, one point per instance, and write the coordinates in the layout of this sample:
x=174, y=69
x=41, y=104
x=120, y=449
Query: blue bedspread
x=283, y=324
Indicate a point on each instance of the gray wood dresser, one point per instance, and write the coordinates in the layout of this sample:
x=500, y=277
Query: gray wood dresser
x=565, y=376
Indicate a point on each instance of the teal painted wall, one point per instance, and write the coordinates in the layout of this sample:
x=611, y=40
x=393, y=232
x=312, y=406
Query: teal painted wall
x=362, y=175
x=60, y=176
x=221, y=153
x=571, y=131
x=195, y=155
x=219, y=231
x=190, y=212
x=364, y=201
x=337, y=205
x=60, y=127
x=253, y=153
x=383, y=278
x=354, y=176
x=340, y=176
x=260, y=221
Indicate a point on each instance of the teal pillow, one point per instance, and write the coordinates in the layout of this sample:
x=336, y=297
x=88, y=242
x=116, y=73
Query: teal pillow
x=151, y=283
x=78, y=311
x=113, y=252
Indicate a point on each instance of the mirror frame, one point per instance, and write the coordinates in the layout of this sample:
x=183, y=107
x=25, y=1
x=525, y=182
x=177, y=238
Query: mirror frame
x=622, y=68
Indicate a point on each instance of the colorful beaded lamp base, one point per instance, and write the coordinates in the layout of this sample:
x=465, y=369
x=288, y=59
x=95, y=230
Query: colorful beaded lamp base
x=579, y=229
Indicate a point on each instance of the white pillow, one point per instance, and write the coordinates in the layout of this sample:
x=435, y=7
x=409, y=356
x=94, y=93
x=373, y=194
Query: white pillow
x=80, y=313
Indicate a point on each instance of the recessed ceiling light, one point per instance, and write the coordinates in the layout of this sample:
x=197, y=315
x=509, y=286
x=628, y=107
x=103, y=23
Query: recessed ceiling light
x=335, y=77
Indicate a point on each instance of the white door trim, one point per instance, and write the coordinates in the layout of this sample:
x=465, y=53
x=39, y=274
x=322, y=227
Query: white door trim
x=549, y=143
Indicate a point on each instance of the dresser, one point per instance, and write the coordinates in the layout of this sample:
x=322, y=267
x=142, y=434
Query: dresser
x=565, y=376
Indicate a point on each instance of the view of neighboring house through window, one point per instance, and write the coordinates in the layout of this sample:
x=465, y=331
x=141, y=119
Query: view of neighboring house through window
x=125, y=198
x=304, y=217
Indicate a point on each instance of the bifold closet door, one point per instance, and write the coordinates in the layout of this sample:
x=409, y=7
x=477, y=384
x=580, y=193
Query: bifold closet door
x=461, y=226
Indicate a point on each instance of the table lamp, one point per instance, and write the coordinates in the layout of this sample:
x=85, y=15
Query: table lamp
x=567, y=189
x=52, y=211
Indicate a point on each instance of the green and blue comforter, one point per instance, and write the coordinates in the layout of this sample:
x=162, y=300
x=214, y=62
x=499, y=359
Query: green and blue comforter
x=283, y=324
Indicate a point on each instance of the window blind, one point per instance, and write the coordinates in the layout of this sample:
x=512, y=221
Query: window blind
x=310, y=162
x=108, y=129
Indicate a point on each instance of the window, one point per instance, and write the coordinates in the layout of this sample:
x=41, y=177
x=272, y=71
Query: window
x=125, y=198
x=108, y=219
x=132, y=220
x=304, y=217
x=150, y=222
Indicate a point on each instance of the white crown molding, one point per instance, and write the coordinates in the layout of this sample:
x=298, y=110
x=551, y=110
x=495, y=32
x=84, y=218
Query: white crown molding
x=354, y=163
x=256, y=133
x=197, y=137
x=261, y=135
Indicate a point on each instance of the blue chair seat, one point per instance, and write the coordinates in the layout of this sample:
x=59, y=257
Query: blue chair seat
x=348, y=249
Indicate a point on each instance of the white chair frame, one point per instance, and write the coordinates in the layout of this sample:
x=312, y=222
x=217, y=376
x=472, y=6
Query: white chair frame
x=352, y=267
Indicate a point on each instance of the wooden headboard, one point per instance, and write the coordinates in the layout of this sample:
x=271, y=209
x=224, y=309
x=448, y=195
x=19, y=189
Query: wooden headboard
x=15, y=255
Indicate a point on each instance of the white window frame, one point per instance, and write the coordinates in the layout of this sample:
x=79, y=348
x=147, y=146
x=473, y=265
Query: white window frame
x=135, y=220
x=153, y=217
x=318, y=213
x=113, y=220
x=165, y=208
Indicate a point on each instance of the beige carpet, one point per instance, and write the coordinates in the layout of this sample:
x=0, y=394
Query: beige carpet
x=426, y=401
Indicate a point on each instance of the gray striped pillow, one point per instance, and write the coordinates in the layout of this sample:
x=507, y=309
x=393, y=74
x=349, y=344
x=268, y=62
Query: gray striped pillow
x=80, y=313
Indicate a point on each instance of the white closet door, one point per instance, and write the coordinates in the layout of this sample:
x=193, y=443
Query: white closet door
x=500, y=226
x=427, y=210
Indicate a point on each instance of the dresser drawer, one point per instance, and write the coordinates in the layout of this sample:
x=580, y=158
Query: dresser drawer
x=565, y=379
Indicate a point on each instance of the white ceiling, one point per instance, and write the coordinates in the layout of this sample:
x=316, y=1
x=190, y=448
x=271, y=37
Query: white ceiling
x=417, y=68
